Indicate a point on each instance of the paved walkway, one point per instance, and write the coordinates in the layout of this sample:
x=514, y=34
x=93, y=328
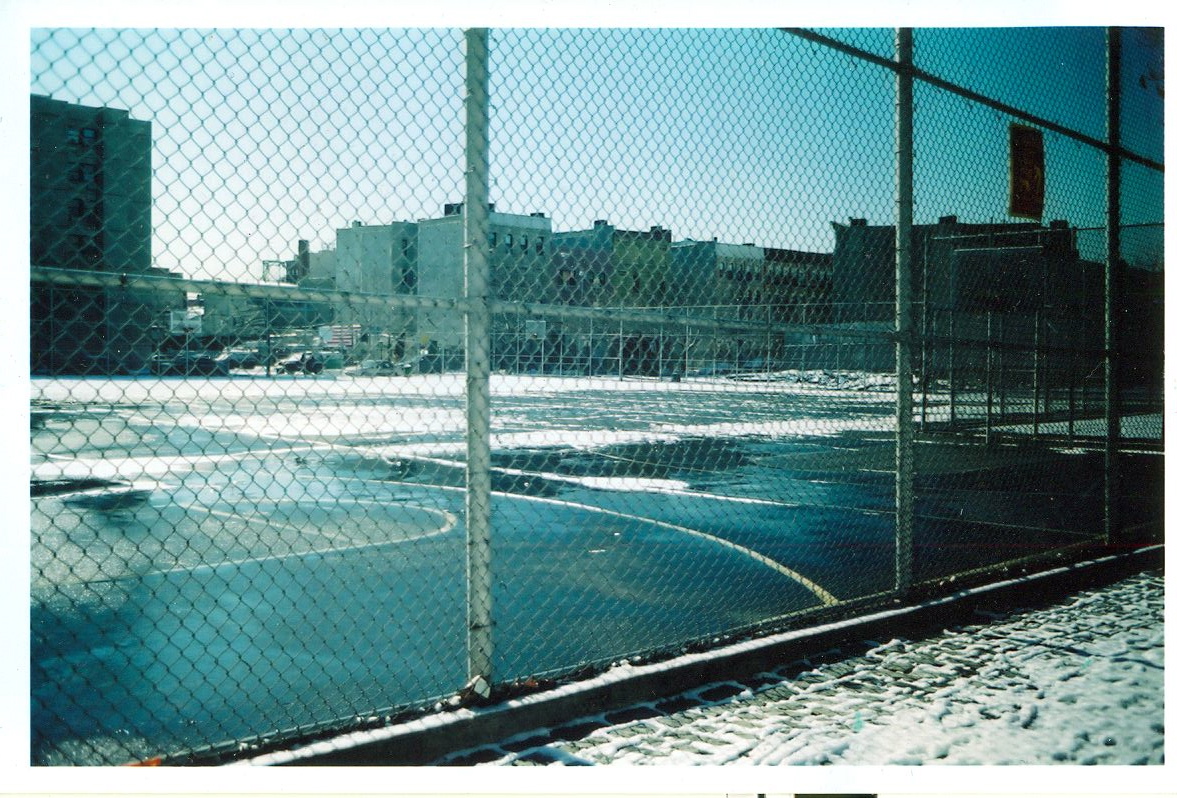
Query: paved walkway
x=1077, y=682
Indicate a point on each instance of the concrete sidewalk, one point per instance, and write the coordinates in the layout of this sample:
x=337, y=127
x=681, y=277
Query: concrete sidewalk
x=1079, y=681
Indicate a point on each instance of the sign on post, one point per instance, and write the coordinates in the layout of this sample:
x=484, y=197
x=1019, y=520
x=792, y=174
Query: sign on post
x=1027, y=172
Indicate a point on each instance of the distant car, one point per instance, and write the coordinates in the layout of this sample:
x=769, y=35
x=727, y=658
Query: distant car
x=377, y=368
x=302, y=363
x=188, y=364
x=714, y=370
x=239, y=359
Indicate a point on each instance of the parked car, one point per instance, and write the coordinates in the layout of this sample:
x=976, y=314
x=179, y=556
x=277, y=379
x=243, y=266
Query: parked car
x=713, y=370
x=239, y=358
x=377, y=368
x=187, y=363
x=302, y=363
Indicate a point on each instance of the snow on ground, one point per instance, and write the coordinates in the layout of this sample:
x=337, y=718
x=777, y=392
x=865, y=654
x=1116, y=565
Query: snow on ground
x=419, y=416
x=1079, y=682
x=245, y=388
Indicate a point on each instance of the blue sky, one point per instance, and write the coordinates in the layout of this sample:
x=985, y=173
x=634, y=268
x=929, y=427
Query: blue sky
x=749, y=135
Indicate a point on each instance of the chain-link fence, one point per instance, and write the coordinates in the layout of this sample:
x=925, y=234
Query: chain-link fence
x=374, y=371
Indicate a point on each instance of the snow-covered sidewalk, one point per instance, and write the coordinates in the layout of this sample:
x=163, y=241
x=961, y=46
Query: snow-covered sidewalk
x=1077, y=682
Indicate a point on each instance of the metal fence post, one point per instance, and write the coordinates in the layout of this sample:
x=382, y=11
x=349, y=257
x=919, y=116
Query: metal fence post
x=952, y=367
x=480, y=645
x=1111, y=297
x=904, y=466
x=1001, y=375
x=1037, y=367
x=988, y=377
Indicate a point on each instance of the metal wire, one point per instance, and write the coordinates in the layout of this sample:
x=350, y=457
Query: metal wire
x=378, y=372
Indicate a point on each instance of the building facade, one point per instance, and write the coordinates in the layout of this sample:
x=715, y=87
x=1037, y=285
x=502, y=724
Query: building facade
x=1027, y=261
x=90, y=209
x=378, y=259
x=746, y=282
x=1024, y=280
x=520, y=268
x=607, y=266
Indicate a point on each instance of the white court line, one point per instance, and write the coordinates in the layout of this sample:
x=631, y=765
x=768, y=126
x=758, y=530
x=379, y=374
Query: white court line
x=450, y=521
x=821, y=593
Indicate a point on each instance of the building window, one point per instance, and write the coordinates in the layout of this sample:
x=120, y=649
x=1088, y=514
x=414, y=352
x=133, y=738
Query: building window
x=523, y=243
x=73, y=136
x=494, y=240
x=83, y=173
x=89, y=135
x=76, y=209
x=539, y=245
x=508, y=240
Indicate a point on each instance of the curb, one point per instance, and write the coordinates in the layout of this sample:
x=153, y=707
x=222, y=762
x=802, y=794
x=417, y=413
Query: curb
x=429, y=739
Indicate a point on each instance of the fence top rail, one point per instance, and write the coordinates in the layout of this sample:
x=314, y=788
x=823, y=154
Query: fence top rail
x=1043, y=232
x=977, y=97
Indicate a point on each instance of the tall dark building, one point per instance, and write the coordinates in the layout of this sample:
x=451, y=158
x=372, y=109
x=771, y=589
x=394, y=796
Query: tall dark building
x=1027, y=279
x=90, y=209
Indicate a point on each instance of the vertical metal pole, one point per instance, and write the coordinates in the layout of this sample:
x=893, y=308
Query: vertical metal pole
x=925, y=351
x=1037, y=366
x=951, y=367
x=480, y=645
x=591, y=350
x=1001, y=376
x=1072, y=371
x=660, y=368
x=989, y=378
x=269, y=338
x=620, y=352
x=1111, y=299
x=904, y=465
x=768, y=340
x=1047, y=365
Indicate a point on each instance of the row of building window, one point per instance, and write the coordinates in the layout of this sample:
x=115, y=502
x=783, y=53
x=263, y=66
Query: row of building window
x=90, y=215
x=509, y=242
x=85, y=136
x=85, y=173
x=89, y=248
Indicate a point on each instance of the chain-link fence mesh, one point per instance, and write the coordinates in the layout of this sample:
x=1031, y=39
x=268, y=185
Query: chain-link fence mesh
x=259, y=445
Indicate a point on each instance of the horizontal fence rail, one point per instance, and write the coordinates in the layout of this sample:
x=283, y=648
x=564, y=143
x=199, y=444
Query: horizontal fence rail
x=718, y=318
x=381, y=373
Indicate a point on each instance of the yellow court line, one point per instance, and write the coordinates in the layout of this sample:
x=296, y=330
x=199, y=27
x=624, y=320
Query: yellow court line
x=827, y=598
